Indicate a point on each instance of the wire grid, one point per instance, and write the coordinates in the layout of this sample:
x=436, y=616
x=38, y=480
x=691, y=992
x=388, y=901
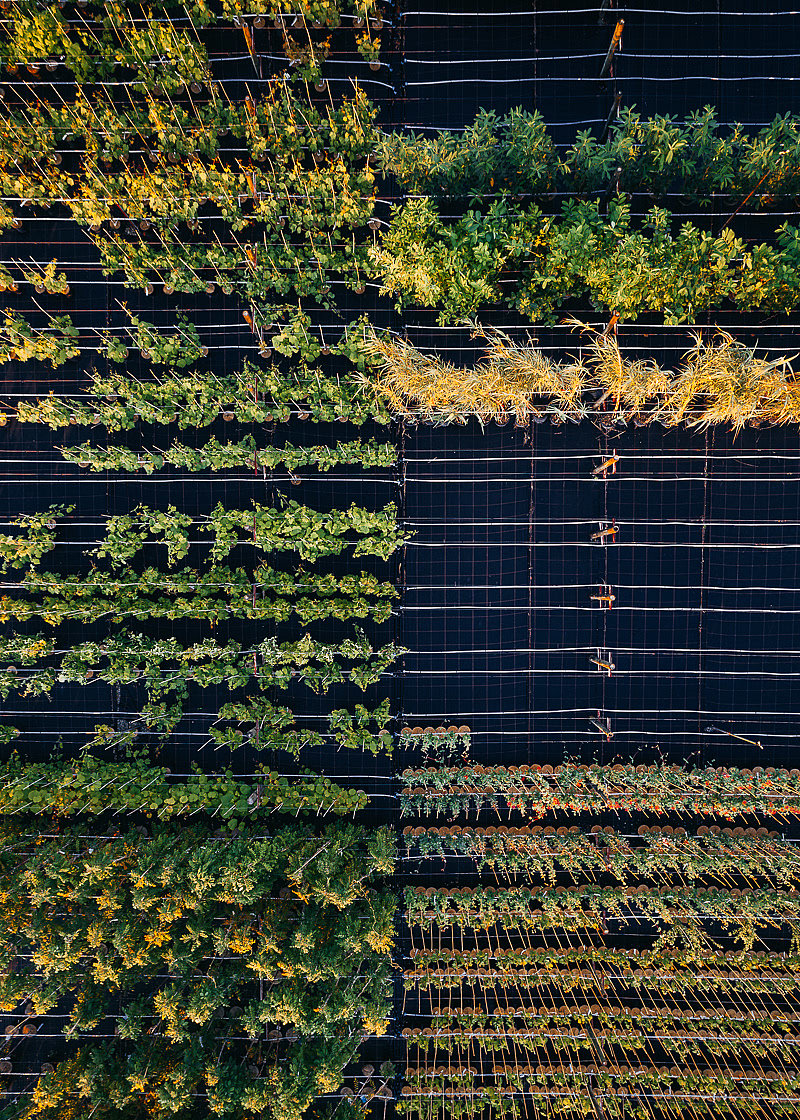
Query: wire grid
x=498, y=609
x=674, y=58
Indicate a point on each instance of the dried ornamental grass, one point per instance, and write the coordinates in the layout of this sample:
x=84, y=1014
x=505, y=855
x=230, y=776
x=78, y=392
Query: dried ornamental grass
x=722, y=382
x=627, y=386
x=507, y=382
x=727, y=384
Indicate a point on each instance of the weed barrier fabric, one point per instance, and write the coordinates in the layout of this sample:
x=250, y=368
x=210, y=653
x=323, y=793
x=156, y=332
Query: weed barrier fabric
x=498, y=607
x=547, y=55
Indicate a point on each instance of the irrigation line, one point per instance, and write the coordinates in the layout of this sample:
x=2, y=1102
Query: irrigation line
x=695, y=522
x=139, y=478
x=466, y=545
x=614, y=480
x=384, y=200
x=761, y=211
x=216, y=27
x=422, y=126
x=631, y=673
x=155, y=271
x=437, y=719
x=251, y=79
x=623, y=1010
x=134, y=715
x=648, y=330
x=158, y=223
x=560, y=734
x=539, y=735
x=579, y=57
x=185, y=22
x=514, y=1033
x=165, y=676
x=565, y=11
x=209, y=541
x=578, y=587
x=619, y=711
x=732, y=455
x=576, y=78
x=648, y=1095
x=653, y=738
x=168, y=587
x=478, y=607
x=333, y=777
x=578, y=715
x=464, y=523
x=638, y=326
x=617, y=649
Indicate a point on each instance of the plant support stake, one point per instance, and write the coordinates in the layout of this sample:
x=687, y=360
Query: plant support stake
x=612, y=116
x=741, y=738
x=612, y=50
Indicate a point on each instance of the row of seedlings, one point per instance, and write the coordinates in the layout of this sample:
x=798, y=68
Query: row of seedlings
x=591, y=967
x=180, y=944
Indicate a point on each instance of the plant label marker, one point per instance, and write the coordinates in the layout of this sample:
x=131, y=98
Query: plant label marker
x=608, y=465
x=606, y=532
x=603, y=662
x=605, y=597
x=616, y=39
x=602, y=726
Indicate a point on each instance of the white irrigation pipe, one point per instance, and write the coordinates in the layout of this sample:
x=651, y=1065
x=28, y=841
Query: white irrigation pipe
x=787, y=324
x=199, y=476
x=622, y=1010
x=592, y=711
x=420, y=524
x=465, y=545
x=271, y=475
x=437, y=719
x=572, y=587
x=439, y=61
x=521, y=544
x=421, y=126
x=534, y=609
x=573, y=78
x=159, y=223
x=716, y=13
x=619, y=478
x=670, y=674
x=218, y=79
x=590, y=649
x=727, y=714
x=180, y=21
x=699, y=523
x=712, y=455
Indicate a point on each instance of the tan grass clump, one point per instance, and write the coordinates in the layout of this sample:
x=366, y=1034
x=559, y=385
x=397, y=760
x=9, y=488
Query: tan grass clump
x=722, y=382
x=727, y=384
x=627, y=387
x=510, y=380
